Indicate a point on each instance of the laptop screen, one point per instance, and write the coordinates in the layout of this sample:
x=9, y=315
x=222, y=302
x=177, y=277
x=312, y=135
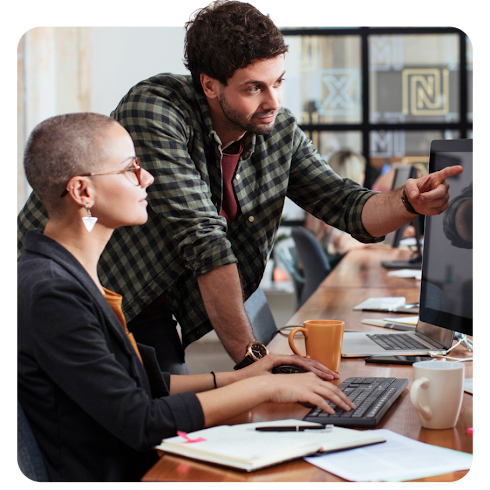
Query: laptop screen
x=446, y=298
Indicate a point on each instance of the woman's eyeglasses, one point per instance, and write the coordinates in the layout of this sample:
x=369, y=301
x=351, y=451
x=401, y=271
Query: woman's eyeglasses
x=133, y=173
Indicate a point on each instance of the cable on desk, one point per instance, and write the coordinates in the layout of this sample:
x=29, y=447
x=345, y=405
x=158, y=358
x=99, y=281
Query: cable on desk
x=463, y=340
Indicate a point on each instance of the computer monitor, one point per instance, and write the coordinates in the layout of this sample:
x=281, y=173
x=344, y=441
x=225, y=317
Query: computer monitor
x=446, y=296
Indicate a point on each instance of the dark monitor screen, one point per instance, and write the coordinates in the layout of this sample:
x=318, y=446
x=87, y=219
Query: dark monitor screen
x=446, y=297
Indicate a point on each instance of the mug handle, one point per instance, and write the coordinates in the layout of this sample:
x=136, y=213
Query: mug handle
x=291, y=339
x=425, y=411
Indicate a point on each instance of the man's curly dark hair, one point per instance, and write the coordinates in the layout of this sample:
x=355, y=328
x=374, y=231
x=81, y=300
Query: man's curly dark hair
x=225, y=36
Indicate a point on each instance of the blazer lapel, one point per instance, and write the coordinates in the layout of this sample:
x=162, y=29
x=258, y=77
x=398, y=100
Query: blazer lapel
x=53, y=250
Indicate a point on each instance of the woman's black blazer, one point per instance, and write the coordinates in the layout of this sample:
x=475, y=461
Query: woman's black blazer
x=95, y=410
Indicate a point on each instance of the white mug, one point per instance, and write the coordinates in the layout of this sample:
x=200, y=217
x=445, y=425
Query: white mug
x=437, y=393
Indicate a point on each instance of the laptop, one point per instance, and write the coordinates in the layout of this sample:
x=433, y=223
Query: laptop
x=425, y=339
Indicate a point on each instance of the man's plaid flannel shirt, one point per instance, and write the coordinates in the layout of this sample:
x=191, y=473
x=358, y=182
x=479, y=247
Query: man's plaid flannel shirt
x=184, y=236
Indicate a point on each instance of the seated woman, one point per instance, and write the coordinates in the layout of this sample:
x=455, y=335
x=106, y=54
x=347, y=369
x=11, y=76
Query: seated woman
x=97, y=401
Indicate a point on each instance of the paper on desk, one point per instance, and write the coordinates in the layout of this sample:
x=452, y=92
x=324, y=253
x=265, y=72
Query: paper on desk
x=405, y=320
x=407, y=273
x=399, y=458
x=381, y=304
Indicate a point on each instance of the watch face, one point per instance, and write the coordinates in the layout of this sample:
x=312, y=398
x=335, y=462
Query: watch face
x=258, y=350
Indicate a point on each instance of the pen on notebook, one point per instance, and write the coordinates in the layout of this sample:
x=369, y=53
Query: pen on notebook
x=293, y=428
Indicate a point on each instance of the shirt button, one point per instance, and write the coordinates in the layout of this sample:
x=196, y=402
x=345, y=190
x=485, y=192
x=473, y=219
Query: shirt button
x=237, y=176
x=251, y=219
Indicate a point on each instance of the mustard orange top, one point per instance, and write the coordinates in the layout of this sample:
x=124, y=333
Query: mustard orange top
x=115, y=302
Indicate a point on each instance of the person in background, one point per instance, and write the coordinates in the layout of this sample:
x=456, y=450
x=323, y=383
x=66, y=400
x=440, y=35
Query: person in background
x=336, y=243
x=384, y=182
x=96, y=400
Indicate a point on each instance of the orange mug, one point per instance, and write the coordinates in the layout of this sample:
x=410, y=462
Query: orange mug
x=323, y=340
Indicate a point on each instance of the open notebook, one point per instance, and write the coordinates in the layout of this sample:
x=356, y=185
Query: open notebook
x=244, y=448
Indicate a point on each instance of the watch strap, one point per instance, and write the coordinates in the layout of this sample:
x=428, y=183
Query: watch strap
x=407, y=204
x=247, y=360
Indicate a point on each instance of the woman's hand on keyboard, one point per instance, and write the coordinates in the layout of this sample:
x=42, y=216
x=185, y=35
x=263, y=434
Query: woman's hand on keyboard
x=308, y=388
x=267, y=363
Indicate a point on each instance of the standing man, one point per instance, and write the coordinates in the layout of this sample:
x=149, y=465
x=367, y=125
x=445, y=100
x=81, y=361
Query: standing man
x=225, y=155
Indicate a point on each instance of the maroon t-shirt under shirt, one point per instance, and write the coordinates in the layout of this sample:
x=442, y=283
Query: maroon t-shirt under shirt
x=229, y=209
x=229, y=163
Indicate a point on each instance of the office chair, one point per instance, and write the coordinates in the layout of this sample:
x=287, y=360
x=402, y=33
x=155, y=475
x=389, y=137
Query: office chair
x=316, y=265
x=29, y=457
x=285, y=255
x=260, y=315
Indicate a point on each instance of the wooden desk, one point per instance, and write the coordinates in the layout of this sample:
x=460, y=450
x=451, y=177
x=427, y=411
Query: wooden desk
x=362, y=269
x=338, y=304
x=334, y=300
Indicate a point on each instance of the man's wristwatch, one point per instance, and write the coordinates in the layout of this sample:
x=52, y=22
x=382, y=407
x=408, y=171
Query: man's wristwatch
x=255, y=351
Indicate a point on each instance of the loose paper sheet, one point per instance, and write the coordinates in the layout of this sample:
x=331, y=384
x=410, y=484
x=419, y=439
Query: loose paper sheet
x=406, y=320
x=407, y=273
x=399, y=458
x=383, y=303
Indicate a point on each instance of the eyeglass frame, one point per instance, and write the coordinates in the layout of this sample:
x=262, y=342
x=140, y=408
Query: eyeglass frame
x=136, y=169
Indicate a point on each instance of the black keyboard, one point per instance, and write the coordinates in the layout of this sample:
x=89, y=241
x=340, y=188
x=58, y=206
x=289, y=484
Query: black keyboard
x=372, y=398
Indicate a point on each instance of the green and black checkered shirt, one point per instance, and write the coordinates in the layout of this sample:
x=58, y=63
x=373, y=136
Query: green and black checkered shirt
x=184, y=236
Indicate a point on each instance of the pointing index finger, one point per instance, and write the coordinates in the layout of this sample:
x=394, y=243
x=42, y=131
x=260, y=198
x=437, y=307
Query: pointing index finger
x=435, y=187
x=449, y=172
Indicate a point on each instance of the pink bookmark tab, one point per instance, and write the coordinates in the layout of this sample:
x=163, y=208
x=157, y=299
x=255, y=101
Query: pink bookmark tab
x=187, y=438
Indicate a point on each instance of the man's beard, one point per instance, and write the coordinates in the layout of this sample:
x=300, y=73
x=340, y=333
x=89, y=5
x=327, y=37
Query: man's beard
x=237, y=121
